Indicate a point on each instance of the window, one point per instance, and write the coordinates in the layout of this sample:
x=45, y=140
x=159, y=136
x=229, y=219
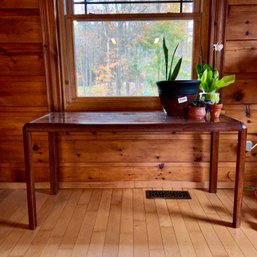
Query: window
x=112, y=49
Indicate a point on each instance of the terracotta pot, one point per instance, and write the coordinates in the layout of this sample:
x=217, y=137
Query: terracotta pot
x=197, y=113
x=215, y=110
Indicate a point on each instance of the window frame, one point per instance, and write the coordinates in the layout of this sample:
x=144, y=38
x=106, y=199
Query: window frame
x=116, y=103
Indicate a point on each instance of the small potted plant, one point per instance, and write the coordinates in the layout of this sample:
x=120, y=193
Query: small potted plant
x=197, y=110
x=211, y=83
x=175, y=94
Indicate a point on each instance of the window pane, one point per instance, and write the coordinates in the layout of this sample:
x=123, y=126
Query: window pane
x=187, y=8
x=79, y=9
x=125, y=58
x=136, y=6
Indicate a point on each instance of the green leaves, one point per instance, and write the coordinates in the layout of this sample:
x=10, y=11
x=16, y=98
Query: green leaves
x=166, y=57
x=224, y=82
x=200, y=69
x=176, y=70
x=169, y=73
x=210, y=82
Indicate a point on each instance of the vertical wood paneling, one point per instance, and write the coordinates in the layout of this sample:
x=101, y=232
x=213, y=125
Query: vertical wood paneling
x=48, y=14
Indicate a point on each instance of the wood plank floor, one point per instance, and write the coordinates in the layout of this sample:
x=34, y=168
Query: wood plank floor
x=123, y=223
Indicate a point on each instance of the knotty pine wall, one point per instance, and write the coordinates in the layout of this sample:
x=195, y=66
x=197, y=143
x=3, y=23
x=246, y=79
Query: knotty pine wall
x=22, y=80
x=117, y=159
x=240, y=58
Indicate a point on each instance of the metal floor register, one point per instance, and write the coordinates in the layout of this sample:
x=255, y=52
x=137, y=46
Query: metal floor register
x=167, y=194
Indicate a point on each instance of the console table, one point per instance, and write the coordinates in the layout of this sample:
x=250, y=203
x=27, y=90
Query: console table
x=55, y=122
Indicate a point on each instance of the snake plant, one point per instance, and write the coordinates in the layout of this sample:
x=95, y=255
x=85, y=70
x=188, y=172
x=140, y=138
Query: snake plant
x=170, y=72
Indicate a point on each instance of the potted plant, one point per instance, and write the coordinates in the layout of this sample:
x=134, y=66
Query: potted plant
x=197, y=110
x=211, y=84
x=175, y=94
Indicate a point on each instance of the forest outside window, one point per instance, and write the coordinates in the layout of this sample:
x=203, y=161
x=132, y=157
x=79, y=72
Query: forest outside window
x=114, y=47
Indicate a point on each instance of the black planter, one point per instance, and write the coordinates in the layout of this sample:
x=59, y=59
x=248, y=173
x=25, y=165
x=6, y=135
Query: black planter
x=176, y=95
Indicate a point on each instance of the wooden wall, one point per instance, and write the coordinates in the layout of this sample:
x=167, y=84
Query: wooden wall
x=22, y=80
x=117, y=159
x=240, y=58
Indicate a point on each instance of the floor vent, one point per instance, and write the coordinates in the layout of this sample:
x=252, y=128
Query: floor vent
x=165, y=194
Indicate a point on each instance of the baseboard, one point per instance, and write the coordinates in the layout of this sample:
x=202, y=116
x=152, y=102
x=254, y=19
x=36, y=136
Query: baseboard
x=123, y=184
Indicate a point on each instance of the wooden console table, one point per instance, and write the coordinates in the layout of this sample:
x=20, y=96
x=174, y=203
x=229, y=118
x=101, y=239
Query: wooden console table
x=53, y=123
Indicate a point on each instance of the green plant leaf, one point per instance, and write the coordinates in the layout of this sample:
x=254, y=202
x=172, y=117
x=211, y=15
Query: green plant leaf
x=224, y=82
x=176, y=70
x=166, y=56
x=203, y=81
x=209, y=80
x=170, y=73
x=214, y=97
x=171, y=63
x=229, y=79
x=206, y=67
x=215, y=74
x=199, y=71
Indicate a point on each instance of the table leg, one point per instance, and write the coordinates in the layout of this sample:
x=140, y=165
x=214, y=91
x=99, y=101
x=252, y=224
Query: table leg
x=27, y=140
x=52, y=141
x=214, y=158
x=239, y=180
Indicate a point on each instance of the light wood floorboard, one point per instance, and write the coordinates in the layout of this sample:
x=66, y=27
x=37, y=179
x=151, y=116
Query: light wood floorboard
x=123, y=223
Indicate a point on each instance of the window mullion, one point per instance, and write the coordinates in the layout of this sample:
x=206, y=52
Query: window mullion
x=69, y=7
x=138, y=16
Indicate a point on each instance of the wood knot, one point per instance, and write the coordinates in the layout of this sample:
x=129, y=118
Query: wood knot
x=247, y=111
x=3, y=51
x=198, y=159
x=229, y=176
x=239, y=95
x=161, y=166
x=35, y=147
